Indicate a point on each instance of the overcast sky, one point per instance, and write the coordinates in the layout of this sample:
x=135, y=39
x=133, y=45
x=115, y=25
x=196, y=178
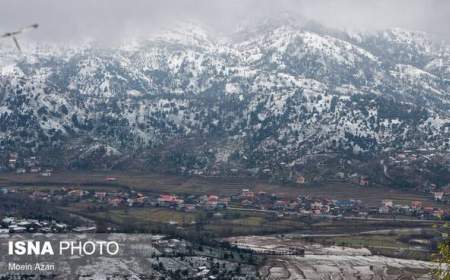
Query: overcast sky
x=73, y=20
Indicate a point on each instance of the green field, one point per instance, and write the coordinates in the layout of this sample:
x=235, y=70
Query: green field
x=143, y=216
x=370, y=241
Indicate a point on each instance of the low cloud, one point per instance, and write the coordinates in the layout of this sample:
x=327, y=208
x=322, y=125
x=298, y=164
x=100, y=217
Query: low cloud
x=74, y=20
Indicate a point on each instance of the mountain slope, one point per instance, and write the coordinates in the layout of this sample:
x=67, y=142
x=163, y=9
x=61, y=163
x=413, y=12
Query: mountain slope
x=185, y=101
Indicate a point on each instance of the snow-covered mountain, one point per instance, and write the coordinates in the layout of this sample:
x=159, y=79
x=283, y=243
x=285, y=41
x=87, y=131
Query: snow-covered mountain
x=266, y=97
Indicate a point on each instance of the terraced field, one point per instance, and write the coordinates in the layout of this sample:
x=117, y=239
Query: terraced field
x=331, y=262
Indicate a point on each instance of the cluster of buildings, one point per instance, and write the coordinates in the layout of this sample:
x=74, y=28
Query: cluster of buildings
x=129, y=198
x=415, y=209
x=191, y=202
x=443, y=195
x=302, y=205
x=305, y=205
x=16, y=225
x=27, y=165
x=99, y=198
x=314, y=206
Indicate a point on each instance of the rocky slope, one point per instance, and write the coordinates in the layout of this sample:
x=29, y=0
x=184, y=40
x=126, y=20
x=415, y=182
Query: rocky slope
x=267, y=98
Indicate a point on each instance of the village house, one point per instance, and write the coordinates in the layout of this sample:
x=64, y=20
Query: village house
x=76, y=193
x=168, y=200
x=280, y=205
x=265, y=198
x=16, y=229
x=211, y=205
x=123, y=195
x=344, y=203
x=188, y=208
x=213, y=198
x=60, y=227
x=130, y=202
x=140, y=200
x=305, y=212
x=300, y=180
x=316, y=205
x=387, y=203
x=39, y=195
x=402, y=209
x=115, y=201
x=364, y=181
x=223, y=203
x=401, y=156
x=234, y=171
x=354, y=178
x=247, y=194
x=267, y=171
x=13, y=155
x=31, y=162
x=21, y=171
x=35, y=169
x=12, y=162
x=213, y=202
x=46, y=174
x=100, y=195
x=246, y=203
x=7, y=221
x=416, y=204
x=439, y=196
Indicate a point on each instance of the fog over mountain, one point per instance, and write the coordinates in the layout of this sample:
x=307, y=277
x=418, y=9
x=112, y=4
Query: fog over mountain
x=72, y=21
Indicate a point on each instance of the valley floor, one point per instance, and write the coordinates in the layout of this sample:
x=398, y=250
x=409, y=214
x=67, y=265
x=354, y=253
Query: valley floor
x=335, y=247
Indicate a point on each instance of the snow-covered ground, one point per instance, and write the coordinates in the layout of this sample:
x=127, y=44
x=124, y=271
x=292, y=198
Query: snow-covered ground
x=335, y=262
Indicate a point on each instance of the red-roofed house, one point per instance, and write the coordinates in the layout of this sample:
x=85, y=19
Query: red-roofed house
x=169, y=200
x=100, y=195
x=416, y=204
x=247, y=194
x=213, y=198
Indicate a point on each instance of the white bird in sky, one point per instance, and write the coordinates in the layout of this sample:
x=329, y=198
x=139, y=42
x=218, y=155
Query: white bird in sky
x=18, y=32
